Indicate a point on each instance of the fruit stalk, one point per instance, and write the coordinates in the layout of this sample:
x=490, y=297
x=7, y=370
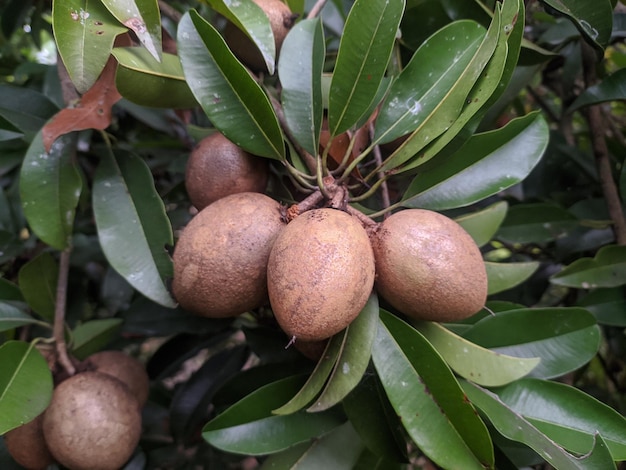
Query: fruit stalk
x=59, y=313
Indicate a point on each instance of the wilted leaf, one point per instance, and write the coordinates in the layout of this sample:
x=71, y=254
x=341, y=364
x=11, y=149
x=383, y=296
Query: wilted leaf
x=606, y=269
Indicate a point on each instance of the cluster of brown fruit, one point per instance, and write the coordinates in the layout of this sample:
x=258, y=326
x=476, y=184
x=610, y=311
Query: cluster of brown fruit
x=93, y=420
x=316, y=269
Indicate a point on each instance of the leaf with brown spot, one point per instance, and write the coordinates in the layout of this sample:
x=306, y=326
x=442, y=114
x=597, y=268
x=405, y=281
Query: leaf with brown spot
x=93, y=111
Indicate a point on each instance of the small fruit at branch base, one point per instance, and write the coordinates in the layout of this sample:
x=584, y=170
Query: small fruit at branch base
x=124, y=368
x=281, y=21
x=217, y=167
x=320, y=274
x=220, y=259
x=428, y=267
x=27, y=445
x=93, y=422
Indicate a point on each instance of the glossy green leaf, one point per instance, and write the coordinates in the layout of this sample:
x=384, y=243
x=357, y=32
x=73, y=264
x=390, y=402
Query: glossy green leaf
x=300, y=71
x=50, y=186
x=318, y=377
x=143, y=80
x=483, y=225
x=84, y=32
x=364, y=51
x=248, y=427
x=474, y=362
x=251, y=19
x=607, y=305
x=515, y=427
x=25, y=384
x=456, y=55
x=353, y=359
x=143, y=17
x=487, y=164
x=536, y=223
x=504, y=276
x=230, y=97
x=428, y=399
x=38, y=283
x=92, y=336
x=565, y=338
x=606, y=269
x=612, y=88
x=593, y=19
x=133, y=228
x=24, y=108
x=566, y=415
x=12, y=316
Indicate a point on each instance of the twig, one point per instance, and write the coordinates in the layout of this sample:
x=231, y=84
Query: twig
x=384, y=188
x=316, y=9
x=595, y=121
x=59, y=313
x=170, y=12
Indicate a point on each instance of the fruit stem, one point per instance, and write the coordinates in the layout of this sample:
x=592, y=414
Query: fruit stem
x=365, y=220
x=59, y=313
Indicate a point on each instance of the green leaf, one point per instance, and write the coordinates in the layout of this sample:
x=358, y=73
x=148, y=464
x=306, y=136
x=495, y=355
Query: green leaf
x=12, y=316
x=25, y=384
x=612, y=88
x=425, y=101
x=10, y=291
x=144, y=81
x=93, y=336
x=248, y=427
x=483, y=225
x=487, y=164
x=230, y=97
x=133, y=228
x=593, y=19
x=38, y=283
x=84, y=32
x=473, y=362
x=422, y=389
x=50, y=186
x=24, y=108
x=251, y=19
x=565, y=338
x=536, y=223
x=566, y=415
x=143, y=17
x=364, y=51
x=353, y=359
x=504, y=276
x=607, y=305
x=300, y=71
x=515, y=427
x=606, y=269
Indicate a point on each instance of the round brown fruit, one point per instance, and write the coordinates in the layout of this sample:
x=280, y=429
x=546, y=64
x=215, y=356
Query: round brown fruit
x=124, y=368
x=428, y=266
x=220, y=259
x=27, y=445
x=217, y=167
x=320, y=274
x=93, y=422
x=281, y=21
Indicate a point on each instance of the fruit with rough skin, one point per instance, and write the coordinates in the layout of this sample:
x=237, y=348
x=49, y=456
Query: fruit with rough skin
x=27, y=445
x=428, y=267
x=320, y=274
x=123, y=367
x=93, y=422
x=281, y=21
x=217, y=167
x=220, y=259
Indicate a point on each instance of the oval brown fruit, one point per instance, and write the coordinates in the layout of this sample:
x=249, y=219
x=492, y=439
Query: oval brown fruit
x=93, y=422
x=320, y=274
x=281, y=21
x=124, y=368
x=217, y=167
x=220, y=259
x=428, y=266
x=27, y=445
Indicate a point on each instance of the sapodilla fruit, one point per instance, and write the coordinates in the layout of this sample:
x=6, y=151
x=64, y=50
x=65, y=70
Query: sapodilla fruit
x=281, y=21
x=124, y=368
x=217, y=167
x=27, y=445
x=320, y=274
x=93, y=422
x=428, y=267
x=220, y=259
